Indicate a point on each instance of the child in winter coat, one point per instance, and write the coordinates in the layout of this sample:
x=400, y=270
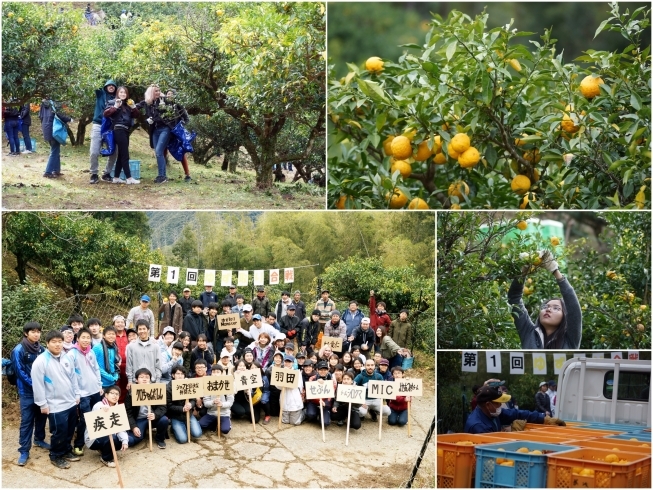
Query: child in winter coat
x=222, y=403
x=340, y=409
x=293, y=404
x=399, y=406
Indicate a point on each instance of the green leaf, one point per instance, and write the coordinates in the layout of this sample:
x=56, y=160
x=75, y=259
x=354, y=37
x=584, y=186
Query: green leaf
x=380, y=120
x=601, y=26
x=372, y=90
x=486, y=85
x=635, y=101
x=451, y=50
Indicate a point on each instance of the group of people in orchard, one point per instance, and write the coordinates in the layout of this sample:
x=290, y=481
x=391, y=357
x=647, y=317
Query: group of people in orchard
x=113, y=102
x=86, y=367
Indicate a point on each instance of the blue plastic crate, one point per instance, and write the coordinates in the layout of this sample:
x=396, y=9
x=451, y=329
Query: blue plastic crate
x=529, y=470
x=134, y=168
x=642, y=436
x=22, y=144
x=616, y=427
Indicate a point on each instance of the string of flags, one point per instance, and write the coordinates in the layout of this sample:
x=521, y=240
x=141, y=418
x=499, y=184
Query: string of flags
x=470, y=361
x=192, y=276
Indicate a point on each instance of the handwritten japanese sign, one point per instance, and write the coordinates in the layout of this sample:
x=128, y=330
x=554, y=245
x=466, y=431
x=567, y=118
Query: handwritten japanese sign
x=350, y=394
x=183, y=389
x=284, y=378
x=218, y=385
x=250, y=378
x=382, y=389
x=334, y=342
x=150, y=394
x=409, y=387
x=228, y=322
x=317, y=389
x=102, y=423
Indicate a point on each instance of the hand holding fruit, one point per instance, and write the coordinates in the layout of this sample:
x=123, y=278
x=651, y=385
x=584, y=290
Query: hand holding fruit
x=554, y=421
x=130, y=103
x=548, y=261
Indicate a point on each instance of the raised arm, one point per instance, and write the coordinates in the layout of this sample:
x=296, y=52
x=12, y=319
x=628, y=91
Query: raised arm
x=522, y=320
x=574, y=313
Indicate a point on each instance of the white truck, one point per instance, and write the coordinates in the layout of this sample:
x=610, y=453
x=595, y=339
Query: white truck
x=611, y=391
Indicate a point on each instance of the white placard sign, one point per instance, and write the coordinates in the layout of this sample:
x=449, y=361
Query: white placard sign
x=382, y=389
x=191, y=277
x=209, y=277
x=155, y=273
x=243, y=278
x=225, y=281
x=319, y=389
x=173, y=275
x=470, y=361
x=493, y=361
x=100, y=423
x=516, y=363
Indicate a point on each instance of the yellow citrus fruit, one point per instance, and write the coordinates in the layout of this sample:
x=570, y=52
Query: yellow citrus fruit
x=611, y=275
x=643, y=307
x=418, y=203
x=20, y=20
x=452, y=153
x=469, y=157
x=589, y=87
x=611, y=458
x=423, y=151
x=522, y=450
x=515, y=64
x=455, y=206
x=403, y=166
x=374, y=64
x=460, y=143
x=342, y=200
x=587, y=472
x=387, y=145
x=440, y=158
x=458, y=188
x=437, y=144
x=398, y=199
x=501, y=460
x=536, y=451
x=533, y=156
x=524, y=202
x=555, y=241
x=10, y=14
x=440, y=452
x=465, y=443
x=576, y=470
x=568, y=124
x=519, y=142
x=401, y=148
x=509, y=462
x=522, y=225
x=520, y=184
x=527, y=292
x=644, y=445
x=536, y=175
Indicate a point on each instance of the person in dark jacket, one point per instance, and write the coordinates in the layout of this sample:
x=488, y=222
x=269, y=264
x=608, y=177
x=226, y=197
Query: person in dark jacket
x=309, y=331
x=542, y=400
x=261, y=304
x=364, y=337
x=26, y=119
x=208, y=296
x=176, y=410
x=186, y=301
x=121, y=110
x=31, y=418
x=102, y=95
x=289, y=324
x=11, y=116
x=46, y=115
x=300, y=307
x=138, y=415
x=195, y=322
x=231, y=296
x=180, y=114
x=173, y=314
x=204, y=350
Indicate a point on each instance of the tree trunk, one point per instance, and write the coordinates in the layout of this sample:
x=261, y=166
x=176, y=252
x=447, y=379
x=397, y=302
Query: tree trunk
x=233, y=160
x=225, y=161
x=81, y=129
x=71, y=135
x=21, y=268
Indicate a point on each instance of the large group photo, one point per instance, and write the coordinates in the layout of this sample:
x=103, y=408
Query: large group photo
x=251, y=348
x=146, y=105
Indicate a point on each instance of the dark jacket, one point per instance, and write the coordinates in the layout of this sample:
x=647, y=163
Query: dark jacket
x=542, y=402
x=289, y=324
x=206, y=298
x=231, y=299
x=261, y=306
x=132, y=411
x=175, y=409
x=173, y=317
x=206, y=354
x=25, y=115
x=122, y=115
x=361, y=337
x=101, y=97
x=46, y=115
x=186, y=304
x=309, y=332
x=300, y=309
x=195, y=324
x=10, y=113
x=23, y=361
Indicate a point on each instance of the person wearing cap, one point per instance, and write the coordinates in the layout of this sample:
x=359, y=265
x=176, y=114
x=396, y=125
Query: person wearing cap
x=542, y=401
x=372, y=405
x=314, y=405
x=363, y=336
x=195, y=322
x=378, y=315
x=384, y=370
x=259, y=326
x=307, y=369
x=282, y=305
x=142, y=312
x=208, y=296
x=293, y=403
x=68, y=338
x=352, y=317
x=289, y=350
x=261, y=304
x=289, y=323
x=144, y=353
x=300, y=307
x=489, y=416
x=326, y=306
x=168, y=337
x=401, y=331
x=231, y=295
x=300, y=357
x=173, y=314
x=226, y=358
x=553, y=393
x=186, y=302
x=241, y=335
x=335, y=327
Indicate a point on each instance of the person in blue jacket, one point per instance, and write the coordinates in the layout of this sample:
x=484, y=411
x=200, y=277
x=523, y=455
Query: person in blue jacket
x=102, y=95
x=31, y=418
x=108, y=357
x=489, y=416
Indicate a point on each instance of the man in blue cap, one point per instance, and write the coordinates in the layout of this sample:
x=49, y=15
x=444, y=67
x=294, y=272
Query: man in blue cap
x=142, y=312
x=489, y=416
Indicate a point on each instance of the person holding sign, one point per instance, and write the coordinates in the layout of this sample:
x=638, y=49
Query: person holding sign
x=373, y=405
x=102, y=444
x=398, y=406
x=272, y=407
x=315, y=405
x=213, y=404
x=176, y=410
x=293, y=403
x=138, y=415
x=489, y=416
x=339, y=410
x=241, y=407
x=57, y=394
x=335, y=327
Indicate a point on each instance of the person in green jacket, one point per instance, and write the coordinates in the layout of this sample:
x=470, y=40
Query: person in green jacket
x=388, y=348
x=401, y=330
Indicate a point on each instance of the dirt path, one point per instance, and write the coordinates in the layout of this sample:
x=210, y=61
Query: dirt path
x=287, y=457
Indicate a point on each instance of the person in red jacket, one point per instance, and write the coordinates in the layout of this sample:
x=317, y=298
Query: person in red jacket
x=378, y=315
x=399, y=406
x=121, y=342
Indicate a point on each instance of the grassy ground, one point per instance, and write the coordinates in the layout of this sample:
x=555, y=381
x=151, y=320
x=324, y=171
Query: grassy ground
x=24, y=186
